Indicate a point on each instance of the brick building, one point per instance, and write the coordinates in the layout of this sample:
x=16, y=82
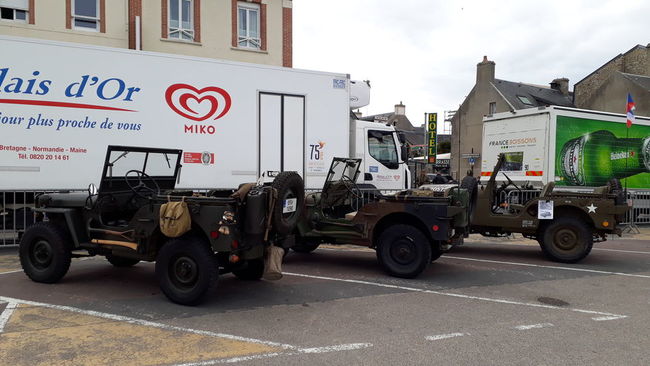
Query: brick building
x=258, y=31
x=606, y=88
x=488, y=96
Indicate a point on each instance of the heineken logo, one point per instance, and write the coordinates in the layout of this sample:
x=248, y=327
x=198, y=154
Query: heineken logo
x=621, y=155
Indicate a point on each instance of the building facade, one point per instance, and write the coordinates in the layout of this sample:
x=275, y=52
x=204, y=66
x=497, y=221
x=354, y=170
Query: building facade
x=489, y=96
x=257, y=31
x=607, y=87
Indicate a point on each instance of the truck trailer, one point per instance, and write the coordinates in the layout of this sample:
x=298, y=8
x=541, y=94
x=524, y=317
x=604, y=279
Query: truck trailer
x=573, y=148
x=62, y=104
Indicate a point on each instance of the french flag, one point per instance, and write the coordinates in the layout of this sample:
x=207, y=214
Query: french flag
x=630, y=111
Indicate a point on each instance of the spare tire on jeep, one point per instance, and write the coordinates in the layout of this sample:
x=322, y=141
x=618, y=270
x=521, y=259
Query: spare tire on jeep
x=289, y=203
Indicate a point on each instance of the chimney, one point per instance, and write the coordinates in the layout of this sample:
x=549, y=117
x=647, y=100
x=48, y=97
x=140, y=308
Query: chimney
x=561, y=85
x=400, y=109
x=485, y=71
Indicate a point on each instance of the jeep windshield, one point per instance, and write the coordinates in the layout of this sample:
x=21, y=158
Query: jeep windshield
x=125, y=163
x=343, y=169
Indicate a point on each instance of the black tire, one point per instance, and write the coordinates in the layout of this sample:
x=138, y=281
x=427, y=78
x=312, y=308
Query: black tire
x=253, y=271
x=566, y=240
x=122, y=262
x=187, y=270
x=288, y=185
x=403, y=251
x=470, y=184
x=45, y=252
x=305, y=246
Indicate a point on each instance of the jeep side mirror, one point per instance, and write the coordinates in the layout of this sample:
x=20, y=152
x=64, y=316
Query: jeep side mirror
x=92, y=189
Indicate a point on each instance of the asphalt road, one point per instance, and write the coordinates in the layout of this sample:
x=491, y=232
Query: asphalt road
x=495, y=302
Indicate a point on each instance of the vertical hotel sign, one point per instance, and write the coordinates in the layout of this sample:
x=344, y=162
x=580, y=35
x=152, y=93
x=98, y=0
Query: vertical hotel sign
x=432, y=129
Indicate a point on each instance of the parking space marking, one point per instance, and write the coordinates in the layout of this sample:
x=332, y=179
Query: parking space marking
x=337, y=348
x=7, y=272
x=534, y=326
x=603, y=318
x=444, y=336
x=6, y=314
x=545, y=266
x=42, y=328
x=147, y=323
x=451, y=294
x=622, y=251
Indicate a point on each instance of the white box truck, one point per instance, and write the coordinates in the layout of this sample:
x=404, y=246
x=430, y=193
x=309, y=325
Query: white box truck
x=62, y=104
x=571, y=147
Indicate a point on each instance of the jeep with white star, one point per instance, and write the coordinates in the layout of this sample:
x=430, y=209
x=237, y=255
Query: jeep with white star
x=565, y=223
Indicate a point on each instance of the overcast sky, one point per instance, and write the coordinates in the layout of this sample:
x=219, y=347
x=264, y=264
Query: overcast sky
x=424, y=52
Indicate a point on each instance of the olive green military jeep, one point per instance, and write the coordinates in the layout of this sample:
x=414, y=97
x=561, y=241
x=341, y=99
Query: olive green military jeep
x=565, y=223
x=228, y=230
x=408, y=230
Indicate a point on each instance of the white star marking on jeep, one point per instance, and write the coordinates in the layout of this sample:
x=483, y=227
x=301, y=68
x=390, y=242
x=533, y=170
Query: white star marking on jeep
x=592, y=208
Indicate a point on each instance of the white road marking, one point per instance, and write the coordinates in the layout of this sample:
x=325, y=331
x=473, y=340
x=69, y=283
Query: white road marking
x=147, y=323
x=469, y=297
x=16, y=271
x=337, y=348
x=533, y=326
x=444, y=336
x=545, y=266
x=622, y=251
x=291, y=350
x=603, y=318
x=6, y=314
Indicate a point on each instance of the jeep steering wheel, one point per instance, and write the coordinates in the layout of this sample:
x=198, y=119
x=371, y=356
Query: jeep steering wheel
x=353, y=190
x=151, y=189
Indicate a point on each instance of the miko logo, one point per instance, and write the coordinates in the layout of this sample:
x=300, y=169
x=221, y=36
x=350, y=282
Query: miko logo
x=198, y=104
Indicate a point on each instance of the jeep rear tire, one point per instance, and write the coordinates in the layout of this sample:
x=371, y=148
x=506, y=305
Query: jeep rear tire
x=289, y=185
x=253, y=271
x=403, y=251
x=187, y=270
x=470, y=184
x=45, y=252
x=122, y=262
x=567, y=240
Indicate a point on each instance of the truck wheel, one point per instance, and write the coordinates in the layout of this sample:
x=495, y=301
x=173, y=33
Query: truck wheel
x=253, y=271
x=45, y=253
x=187, y=270
x=305, y=246
x=122, y=262
x=567, y=240
x=403, y=251
x=289, y=185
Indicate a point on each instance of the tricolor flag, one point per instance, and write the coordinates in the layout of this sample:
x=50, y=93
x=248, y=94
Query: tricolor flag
x=630, y=111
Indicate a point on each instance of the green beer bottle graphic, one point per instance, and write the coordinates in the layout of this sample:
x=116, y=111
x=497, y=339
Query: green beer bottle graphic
x=594, y=158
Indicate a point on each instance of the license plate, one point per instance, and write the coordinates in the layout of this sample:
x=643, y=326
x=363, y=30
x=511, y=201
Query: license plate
x=289, y=205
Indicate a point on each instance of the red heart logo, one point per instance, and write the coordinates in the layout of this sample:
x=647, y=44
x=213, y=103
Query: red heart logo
x=397, y=177
x=198, y=105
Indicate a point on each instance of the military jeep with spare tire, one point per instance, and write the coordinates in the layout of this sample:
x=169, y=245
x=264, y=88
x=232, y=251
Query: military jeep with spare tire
x=408, y=229
x=137, y=215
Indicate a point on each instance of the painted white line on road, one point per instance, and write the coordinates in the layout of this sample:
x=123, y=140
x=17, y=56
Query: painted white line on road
x=6, y=314
x=545, y=266
x=603, y=318
x=444, y=336
x=148, y=323
x=622, y=251
x=534, y=326
x=8, y=272
x=337, y=348
x=450, y=294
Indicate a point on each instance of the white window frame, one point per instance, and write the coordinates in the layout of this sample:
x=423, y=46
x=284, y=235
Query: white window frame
x=16, y=6
x=86, y=18
x=249, y=42
x=178, y=32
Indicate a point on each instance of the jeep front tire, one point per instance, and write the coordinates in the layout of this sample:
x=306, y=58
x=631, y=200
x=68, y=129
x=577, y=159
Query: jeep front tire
x=45, y=252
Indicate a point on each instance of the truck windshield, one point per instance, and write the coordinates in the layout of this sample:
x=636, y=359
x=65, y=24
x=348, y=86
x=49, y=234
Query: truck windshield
x=381, y=146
